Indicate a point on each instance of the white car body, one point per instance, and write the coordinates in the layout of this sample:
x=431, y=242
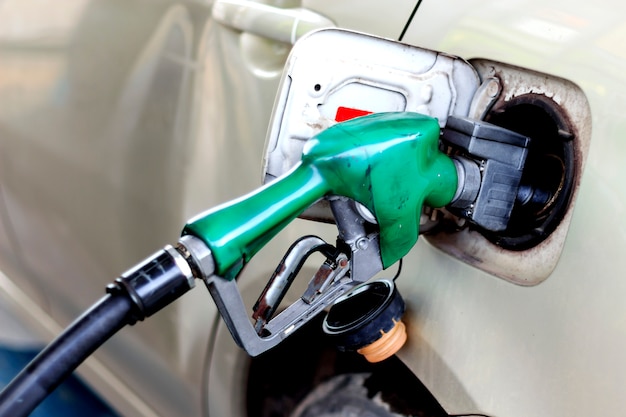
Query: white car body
x=119, y=120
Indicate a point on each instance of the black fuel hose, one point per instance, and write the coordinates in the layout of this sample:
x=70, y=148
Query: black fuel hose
x=59, y=359
x=137, y=294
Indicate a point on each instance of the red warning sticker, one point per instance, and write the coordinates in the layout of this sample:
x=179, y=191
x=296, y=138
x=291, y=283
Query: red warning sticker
x=347, y=113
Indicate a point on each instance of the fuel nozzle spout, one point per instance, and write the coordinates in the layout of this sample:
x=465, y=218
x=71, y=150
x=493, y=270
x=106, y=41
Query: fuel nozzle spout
x=490, y=161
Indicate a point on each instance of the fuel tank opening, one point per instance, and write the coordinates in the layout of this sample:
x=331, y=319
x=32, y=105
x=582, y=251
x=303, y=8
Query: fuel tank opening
x=368, y=320
x=555, y=115
x=547, y=182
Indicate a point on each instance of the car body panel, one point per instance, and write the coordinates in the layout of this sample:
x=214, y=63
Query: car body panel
x=490, y=347
x=94, y=103
x=121, y=119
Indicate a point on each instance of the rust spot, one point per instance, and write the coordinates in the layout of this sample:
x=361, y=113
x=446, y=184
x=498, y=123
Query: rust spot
x=321, y=275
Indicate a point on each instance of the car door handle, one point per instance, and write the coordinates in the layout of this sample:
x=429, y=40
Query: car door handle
x=275, y=23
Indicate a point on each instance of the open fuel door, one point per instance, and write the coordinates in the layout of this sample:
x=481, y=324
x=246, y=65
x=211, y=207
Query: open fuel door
x=333, y=75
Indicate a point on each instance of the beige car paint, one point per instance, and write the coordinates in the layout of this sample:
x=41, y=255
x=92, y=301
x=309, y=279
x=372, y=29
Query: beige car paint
x=121, y=119
x=555, y=348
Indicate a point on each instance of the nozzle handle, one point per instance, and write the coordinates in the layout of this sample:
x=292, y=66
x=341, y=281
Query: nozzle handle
x=237, y=230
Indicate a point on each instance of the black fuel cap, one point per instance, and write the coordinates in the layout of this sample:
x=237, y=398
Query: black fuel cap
x=368, y=320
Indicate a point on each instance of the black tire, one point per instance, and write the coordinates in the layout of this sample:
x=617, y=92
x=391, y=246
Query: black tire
x=343, y=396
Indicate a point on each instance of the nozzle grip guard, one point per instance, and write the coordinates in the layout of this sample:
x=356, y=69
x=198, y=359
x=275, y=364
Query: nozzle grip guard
x=389, y=162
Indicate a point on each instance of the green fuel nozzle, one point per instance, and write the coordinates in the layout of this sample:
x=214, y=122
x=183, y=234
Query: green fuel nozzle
x=388, y=162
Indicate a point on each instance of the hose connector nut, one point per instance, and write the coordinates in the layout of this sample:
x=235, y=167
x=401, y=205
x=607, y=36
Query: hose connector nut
x=155, y=282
